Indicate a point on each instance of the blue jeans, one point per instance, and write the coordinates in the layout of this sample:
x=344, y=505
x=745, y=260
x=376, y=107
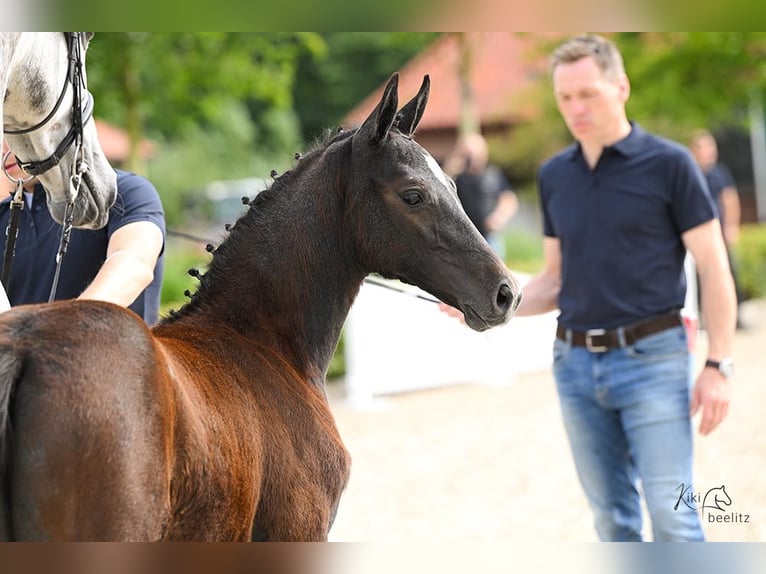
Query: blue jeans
x=626, y=412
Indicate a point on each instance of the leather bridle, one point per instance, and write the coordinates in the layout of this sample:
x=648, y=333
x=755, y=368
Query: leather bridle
x=80, y=116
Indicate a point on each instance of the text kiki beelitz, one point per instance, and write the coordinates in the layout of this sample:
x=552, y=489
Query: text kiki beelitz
x=715, y=504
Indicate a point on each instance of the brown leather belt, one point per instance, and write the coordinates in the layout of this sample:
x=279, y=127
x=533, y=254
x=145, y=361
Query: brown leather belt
x=600, y=341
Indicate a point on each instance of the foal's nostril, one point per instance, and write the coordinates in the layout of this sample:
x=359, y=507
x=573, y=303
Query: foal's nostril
x=507, y=299
x=504, y=298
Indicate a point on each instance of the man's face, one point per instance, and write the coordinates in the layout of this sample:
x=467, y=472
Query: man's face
x=592, y=105
x=705, y=152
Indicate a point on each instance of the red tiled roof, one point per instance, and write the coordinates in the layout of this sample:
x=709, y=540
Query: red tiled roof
x=504, y=64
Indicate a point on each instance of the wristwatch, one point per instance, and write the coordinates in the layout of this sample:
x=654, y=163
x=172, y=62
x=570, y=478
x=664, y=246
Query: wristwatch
x=725, y=366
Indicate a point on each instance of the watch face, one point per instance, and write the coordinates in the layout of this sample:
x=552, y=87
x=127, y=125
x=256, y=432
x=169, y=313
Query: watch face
x=726, y=367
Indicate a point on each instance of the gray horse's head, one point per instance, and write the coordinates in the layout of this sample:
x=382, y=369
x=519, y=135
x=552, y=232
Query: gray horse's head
x=38, y=91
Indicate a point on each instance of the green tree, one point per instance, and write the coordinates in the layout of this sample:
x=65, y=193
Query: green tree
x=684, y=80
x=219, y=105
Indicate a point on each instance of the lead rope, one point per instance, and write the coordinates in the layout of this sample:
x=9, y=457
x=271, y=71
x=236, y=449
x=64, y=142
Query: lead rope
x=63, y=244
x=12, y=232
x=79, y=168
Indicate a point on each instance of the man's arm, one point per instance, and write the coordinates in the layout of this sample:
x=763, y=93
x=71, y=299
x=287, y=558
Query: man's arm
x=719, y=307
x=541, y=293
x=129, y=266
x=506, y=208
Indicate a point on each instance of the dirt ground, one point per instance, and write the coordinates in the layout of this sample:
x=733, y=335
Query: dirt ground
x=491, y=462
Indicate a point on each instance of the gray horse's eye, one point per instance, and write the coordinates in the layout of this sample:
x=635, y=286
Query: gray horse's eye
x=412, y=197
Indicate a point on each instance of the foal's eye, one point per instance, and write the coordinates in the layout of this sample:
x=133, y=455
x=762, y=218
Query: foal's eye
x=412, y=197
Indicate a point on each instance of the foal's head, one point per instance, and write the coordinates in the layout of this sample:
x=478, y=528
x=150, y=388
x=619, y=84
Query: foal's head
x=413, y=227
x=38, y=115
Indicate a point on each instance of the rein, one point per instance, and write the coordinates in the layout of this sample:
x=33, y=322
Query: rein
x=63, y=244
x=17, y=204
x=80, y=116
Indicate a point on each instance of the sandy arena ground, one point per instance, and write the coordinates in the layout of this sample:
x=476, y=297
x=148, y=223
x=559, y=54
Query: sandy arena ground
x=487, y=463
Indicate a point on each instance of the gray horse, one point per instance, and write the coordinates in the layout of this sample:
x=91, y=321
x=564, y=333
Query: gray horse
x=46, y=110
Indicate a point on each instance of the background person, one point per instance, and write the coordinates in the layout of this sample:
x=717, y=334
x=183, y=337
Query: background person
x=725, y=194
x=483, y=189
x=121, y=263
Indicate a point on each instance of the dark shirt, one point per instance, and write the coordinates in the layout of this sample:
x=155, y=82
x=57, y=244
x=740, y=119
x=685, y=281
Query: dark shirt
x=620, y=226
x=719, y=178
x=479, y=194
x=37, y=243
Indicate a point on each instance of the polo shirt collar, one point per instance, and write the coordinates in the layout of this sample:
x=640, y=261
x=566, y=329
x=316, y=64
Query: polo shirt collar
x=627, y=146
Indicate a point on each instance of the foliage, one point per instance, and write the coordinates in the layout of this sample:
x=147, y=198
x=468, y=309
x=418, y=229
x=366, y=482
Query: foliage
x=523, y=250
x=217, y=105
x=750, y=258
x=684, y=80
x=184, y=79
x=337, y=366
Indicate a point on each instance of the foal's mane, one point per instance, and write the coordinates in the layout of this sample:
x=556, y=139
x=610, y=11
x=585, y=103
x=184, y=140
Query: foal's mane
x=258, y=205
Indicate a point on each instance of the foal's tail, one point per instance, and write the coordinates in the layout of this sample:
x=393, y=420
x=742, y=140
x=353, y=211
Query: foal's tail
x=10, y=369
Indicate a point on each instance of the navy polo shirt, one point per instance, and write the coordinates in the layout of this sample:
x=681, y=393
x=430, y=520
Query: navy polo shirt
x=37, y=243
x=620, y=226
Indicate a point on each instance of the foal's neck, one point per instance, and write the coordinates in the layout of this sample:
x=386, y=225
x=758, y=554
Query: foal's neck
x=286, y=275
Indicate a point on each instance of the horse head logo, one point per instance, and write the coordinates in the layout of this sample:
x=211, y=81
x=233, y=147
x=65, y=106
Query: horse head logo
x=718, y=499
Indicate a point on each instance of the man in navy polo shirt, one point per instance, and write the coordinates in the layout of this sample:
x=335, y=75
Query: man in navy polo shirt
x=620, y=209
x=121, y=263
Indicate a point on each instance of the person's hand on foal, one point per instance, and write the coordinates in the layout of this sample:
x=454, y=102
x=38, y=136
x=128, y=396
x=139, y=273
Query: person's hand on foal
x=452, y=312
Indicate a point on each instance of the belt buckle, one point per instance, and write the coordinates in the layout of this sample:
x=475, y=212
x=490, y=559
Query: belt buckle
x=589, y=334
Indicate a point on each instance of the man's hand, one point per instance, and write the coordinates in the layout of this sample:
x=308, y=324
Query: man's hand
x=452, y=312
x=712, y=394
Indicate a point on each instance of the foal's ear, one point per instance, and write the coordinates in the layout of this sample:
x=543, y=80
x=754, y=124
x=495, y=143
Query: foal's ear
x=376, y=126
x=409, y=116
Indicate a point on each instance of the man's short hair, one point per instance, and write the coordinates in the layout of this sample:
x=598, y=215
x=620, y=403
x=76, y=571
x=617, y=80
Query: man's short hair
x=604, y=53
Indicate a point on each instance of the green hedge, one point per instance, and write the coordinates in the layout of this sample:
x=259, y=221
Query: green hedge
x=750, y=258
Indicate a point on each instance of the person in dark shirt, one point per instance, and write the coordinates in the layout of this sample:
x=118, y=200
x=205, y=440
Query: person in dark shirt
x=121, y=263
x=620, y=209
x=724, y=191
x=483, y=189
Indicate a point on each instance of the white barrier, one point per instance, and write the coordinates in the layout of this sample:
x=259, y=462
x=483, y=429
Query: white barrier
x=396, y=343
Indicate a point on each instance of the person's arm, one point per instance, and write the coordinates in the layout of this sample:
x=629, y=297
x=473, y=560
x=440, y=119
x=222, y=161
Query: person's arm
x=712, y=390
x=731, y=214
x=541, y=293
x=507, y=205
x=129, y=266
